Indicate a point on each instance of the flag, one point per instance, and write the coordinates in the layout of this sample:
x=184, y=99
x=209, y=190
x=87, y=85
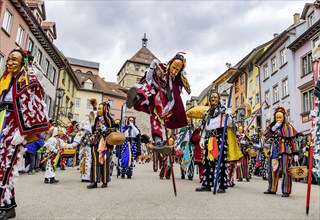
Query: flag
x=102, y=150
x=213, y=148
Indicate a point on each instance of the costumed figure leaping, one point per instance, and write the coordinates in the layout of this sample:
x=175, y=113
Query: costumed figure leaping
x=158, y=94
x=22, y=119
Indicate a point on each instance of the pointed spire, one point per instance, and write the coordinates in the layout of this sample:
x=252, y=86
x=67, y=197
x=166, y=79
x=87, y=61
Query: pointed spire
x=144, y=40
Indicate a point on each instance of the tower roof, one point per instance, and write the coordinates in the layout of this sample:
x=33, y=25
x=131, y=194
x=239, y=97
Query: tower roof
x=143, y=56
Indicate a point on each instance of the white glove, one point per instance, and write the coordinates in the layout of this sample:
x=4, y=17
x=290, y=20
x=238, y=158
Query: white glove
x=17, y=138
x=313, y=113
x=154, y=63
x=55, y=150
x=202, y=143
x=276, y=126
x=296, y=158
x=228, y=111
x=242, y=142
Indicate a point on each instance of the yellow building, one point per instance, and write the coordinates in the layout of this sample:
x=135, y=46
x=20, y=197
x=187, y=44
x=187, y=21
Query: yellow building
x=246, y=93
x=69, y=83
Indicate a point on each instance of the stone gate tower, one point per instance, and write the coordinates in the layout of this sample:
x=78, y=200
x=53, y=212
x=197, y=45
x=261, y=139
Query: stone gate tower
x=130, y=73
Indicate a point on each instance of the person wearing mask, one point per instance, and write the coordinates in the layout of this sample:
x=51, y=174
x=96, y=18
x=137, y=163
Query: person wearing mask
x=159, y=95
x=281, y=135
x=211, y=141
x=21, y=121
x=100, y=150
x=184, y=142
x=132, y=134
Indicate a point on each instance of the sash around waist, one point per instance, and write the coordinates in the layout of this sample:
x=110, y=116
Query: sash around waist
x=6, y=105
x=214, y=132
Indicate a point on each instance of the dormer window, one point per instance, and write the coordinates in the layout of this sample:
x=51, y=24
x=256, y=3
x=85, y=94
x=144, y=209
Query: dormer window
x=311, y=19
x=88, y=84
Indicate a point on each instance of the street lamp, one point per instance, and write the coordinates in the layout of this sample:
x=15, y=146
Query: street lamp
x=224, y=97
x=60, y=94
x=241, y=112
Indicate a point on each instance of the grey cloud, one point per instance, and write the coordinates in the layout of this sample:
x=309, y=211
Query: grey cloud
x=211, y=32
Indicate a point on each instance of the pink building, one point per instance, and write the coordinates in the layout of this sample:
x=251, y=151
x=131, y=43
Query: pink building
x=309, y=30
x=20, y=21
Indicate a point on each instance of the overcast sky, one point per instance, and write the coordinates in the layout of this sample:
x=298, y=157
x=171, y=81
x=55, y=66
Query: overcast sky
x=211, y=33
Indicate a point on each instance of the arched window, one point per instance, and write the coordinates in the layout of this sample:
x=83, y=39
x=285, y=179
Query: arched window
x=89, y=73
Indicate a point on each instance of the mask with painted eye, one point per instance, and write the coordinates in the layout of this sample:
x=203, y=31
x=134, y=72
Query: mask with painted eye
x=171, y=141
x=175, y=67
x=14, y=63
x=279, y=117
x=100, y=110
x=214, y=99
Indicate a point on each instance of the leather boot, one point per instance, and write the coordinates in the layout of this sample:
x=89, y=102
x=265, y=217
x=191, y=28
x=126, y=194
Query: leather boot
x=11, y=213
x=221, y=191
x=268, y=192
x=203, y=189
x=104, y=185
x=46, y=180
x=285, y=195
x=53, y=180
x=92, y=185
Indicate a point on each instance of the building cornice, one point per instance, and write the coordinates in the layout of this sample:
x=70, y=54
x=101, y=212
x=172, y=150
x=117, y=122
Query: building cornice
x=307, y=35
x=280, y=40
x=38, y=31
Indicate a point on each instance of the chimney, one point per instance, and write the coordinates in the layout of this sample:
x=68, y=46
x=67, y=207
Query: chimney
x=296, y=18
x=275, y=35
x=103, y=78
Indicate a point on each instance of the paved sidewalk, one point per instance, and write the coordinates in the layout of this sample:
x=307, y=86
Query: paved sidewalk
x=145, y=196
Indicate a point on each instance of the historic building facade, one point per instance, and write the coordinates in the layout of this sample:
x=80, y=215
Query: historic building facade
x=130, y=73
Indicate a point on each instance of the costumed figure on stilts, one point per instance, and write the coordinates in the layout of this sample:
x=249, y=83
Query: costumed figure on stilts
x=101, y=151
x=158, y=94
x=22, y=119
x=167, y=160
x=281, y=135
x=184, y=143
x=132, y=134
